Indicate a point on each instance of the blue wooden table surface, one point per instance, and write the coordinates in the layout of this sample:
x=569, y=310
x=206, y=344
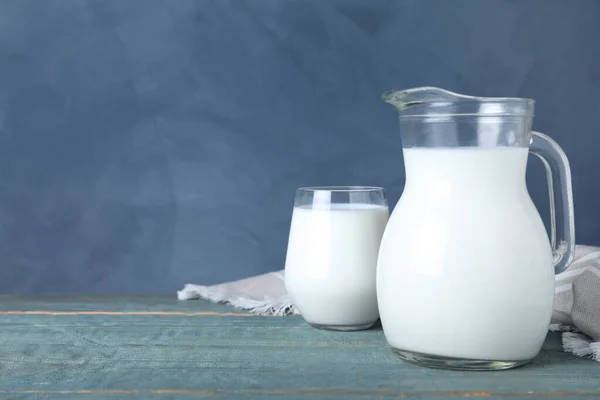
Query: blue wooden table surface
x=160, y=348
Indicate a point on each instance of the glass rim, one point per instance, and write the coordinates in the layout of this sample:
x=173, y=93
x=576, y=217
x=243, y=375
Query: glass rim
x=432, y=101
x=346, y=189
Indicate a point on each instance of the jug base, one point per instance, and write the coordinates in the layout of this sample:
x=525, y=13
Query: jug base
x=342, y=328
x=460, y=364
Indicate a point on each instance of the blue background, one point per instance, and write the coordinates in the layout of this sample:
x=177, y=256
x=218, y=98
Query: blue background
x=147, y=144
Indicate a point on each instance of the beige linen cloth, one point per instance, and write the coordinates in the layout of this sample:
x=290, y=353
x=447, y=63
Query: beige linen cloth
x=576, y=303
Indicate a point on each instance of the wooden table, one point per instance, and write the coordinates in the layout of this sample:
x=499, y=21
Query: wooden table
x=159, y=348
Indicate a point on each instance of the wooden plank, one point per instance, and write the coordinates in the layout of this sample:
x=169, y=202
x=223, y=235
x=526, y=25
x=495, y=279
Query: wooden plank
x=222, y=354
x=136, y=303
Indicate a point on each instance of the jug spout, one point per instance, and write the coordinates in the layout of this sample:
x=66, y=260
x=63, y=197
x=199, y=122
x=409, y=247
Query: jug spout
x=405, y=98
x=431, y=100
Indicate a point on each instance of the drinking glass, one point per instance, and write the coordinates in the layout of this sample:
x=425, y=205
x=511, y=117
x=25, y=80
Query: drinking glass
x=330, y=269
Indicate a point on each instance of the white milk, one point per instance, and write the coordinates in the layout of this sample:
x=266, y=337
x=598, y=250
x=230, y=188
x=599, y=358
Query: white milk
x=465, y=267
x=331, y=262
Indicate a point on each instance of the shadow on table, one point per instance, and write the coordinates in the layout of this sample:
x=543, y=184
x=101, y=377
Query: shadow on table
x=377, y=326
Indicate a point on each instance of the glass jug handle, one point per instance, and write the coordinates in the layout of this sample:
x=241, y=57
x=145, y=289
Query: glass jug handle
x=562, y=225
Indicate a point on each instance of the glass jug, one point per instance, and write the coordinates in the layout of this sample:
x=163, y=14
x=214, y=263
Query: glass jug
x=465, y=276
